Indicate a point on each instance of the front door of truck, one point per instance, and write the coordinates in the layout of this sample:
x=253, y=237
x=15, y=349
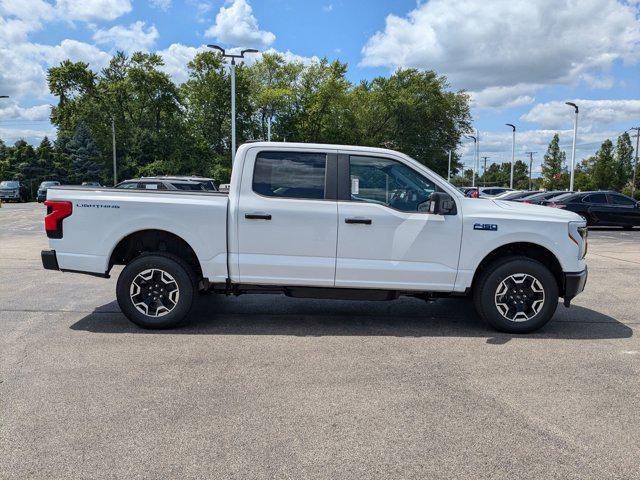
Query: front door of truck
x=287, y=218
x=386, y=237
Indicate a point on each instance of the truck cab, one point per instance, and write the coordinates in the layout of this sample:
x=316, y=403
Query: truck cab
x=329, y=221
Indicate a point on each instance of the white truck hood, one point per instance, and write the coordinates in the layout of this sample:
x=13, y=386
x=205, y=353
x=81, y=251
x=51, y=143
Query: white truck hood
x=527, y=210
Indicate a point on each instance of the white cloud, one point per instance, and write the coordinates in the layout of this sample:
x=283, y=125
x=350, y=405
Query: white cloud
x=31, y=10
x=237, y=26
x=593, y=113
x=161, y=4
x=503, y=97
x=92, y=10
x=176, y=57
x=506, y=43
x=129, y=39
x=15, y=112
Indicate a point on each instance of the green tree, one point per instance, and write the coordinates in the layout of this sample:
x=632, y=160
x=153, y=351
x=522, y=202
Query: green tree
x=624, y=162
x=84, y=155
x=553, y=169
x=605, y=168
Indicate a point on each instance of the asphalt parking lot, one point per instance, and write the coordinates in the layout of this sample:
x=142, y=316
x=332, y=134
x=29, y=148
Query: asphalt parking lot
x=272, y=387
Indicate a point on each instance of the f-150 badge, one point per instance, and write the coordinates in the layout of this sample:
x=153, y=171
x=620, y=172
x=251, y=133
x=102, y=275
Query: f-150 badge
x=485, y=226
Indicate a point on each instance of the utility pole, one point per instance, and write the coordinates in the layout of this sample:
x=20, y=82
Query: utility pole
x=233, y=92
x=531, y=154
x=449, y=168
x=635, y=166
x=113, y=143
x=513, y=153
x=484, y=173
x=269, y=129
x=573, y=150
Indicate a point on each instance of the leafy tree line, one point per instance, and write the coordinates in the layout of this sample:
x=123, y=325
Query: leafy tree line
x=166, y=128
x=611, y=168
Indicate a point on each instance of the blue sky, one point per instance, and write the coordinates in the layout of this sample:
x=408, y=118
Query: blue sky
x=519, y=59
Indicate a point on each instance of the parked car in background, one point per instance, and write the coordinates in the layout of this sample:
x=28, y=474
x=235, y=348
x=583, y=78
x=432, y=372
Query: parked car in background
x=42, y=189
x=515, y=194
x=155, y=183
x=603, y=208
x=471, y=192
x=224, y=187
x=13, y=190
x=208, y=184
x=540, y=197
x=91, y=184
x=493, y=191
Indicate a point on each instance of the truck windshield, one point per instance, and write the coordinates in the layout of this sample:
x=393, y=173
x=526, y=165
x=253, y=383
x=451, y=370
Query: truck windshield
x=9, y=184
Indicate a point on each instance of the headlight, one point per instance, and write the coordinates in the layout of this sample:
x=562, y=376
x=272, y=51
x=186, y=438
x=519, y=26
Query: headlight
x=578, y=233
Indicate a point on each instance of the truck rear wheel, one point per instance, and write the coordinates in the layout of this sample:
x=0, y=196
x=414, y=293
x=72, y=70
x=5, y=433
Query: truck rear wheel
x=156, y=291
x=516, y=295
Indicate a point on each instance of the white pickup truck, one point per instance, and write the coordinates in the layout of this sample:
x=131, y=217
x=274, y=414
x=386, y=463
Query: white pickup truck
x=328, y=221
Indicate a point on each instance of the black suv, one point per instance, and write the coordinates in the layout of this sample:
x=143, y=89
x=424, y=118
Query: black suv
x=42, y=189
x=601, y=208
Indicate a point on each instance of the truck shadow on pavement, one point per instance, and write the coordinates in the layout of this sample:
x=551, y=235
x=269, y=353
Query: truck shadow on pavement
x=406, y=317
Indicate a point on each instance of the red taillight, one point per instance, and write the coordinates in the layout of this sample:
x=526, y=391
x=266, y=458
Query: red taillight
x=56, y=212
x=475, y=194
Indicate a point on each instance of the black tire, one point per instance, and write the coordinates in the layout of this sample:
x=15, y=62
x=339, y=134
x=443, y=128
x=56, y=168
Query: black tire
x=486, y=299
x=177, y=275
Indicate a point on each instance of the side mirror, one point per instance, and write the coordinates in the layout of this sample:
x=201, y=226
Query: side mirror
x=442, y=204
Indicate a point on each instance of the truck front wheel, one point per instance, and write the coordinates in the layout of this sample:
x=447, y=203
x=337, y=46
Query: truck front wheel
x=156, y=290
x=516, y=295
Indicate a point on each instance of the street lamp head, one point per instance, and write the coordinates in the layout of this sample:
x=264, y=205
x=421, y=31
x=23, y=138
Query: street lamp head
x=471, y=136
x=217, y=47
x=248, y=50
x=511, y=125
x=4, y=96
x=571, y=104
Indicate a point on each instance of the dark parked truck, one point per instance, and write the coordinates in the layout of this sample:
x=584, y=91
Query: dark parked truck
x=328, y=221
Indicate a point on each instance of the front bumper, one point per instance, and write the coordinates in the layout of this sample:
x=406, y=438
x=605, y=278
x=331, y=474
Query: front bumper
x=9, y=195
x=574, y=284
x=49, y=260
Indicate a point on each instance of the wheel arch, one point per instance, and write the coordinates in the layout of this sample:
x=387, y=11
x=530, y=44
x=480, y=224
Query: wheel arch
x=526, y=249
x=144, y=241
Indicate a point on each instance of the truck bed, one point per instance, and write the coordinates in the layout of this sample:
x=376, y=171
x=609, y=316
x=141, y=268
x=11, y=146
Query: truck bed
x=102, y=217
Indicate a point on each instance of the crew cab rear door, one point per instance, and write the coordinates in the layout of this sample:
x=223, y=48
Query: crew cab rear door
x=387, y=239
x=287, y=217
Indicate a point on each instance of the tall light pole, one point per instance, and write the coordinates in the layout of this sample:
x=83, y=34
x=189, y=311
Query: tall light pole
x=113, y=144
x=473, y=168
x=233, y=92
x=635, y=166
x=513, y=152
x=449, y=169
x=573, y=150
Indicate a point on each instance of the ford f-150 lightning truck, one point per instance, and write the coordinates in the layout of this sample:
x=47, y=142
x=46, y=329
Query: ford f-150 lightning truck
x=327, y=221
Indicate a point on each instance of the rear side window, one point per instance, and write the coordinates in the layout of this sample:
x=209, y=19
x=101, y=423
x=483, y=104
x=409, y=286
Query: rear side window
x=595, y=198
x=290, y=174
x=128, y=185
x=188, y=186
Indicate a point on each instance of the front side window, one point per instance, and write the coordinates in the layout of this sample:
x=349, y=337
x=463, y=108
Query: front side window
x=194, y=187
x=128, y=185
x=290, y=174
x=390, y=183
x=623, y=201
